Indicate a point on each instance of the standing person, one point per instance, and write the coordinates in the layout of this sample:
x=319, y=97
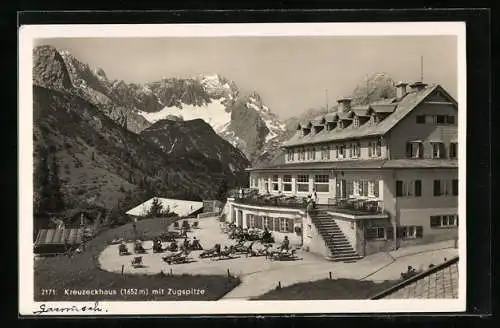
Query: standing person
x=315, y=196
x=285, y=245
x=309, y=203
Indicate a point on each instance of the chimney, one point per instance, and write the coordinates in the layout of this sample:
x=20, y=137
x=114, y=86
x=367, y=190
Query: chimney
x=401, y=89
x=418, y=86
x=344, y=105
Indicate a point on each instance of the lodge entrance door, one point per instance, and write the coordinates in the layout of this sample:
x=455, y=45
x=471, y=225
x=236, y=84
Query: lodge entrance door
x=341, y=189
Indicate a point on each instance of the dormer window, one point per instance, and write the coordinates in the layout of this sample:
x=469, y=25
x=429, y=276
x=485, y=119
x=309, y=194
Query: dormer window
x=330, y=126
x=355, y=122
x=305, y=131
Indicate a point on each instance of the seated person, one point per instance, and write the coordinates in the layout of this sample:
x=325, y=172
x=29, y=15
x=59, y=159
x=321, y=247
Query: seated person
x=173, y=246
x=286, y=244
x=266, y=235
x=123, y=248
x=195, y=244
x=186, y=243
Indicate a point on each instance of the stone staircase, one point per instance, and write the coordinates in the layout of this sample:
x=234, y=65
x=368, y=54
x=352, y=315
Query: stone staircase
x=340, y=248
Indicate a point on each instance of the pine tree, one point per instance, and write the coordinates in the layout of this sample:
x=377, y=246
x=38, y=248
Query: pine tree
x=42, y=183
x=56, y=196
x=222, y=191
x=156, y=209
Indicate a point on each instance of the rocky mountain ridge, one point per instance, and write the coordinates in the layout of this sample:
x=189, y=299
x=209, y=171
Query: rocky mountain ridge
x=213, y=98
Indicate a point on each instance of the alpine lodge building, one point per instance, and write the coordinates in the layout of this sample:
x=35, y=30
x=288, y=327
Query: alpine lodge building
x=385, y=175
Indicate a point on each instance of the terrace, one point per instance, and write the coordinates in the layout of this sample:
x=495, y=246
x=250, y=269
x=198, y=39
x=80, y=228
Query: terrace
x=349, y=206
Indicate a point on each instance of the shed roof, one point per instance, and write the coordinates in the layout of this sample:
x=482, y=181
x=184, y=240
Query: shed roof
x=71, y=236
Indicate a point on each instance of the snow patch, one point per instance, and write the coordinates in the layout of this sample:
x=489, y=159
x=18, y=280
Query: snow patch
x=214, y=114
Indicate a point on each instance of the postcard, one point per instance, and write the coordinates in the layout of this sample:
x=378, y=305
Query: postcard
x=242, y=168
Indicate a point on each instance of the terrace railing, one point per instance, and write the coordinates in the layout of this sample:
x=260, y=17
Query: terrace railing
x=272, y=202
x=347, y=206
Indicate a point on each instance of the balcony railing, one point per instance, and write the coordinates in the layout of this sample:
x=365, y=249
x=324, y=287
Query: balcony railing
x=346, y=206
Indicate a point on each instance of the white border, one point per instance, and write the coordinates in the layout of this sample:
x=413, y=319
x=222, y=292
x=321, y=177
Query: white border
x=27, y=35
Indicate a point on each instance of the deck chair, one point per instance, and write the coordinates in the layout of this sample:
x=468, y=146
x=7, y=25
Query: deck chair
x=137, y=261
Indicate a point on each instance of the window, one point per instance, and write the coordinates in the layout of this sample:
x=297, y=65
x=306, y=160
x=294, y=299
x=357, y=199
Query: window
x=440, y=119
x=420, y=119
x=287, y=183
x=418, y=188
x=444, y=221
x=321, y=183
x=350, y=151
x=342, y=151
x=303, y=183
x=251, y=221
x=274, y=183
x=408, y=188
x=311, y=153
x=362, y=188
x=355, y=122
x=437, y=188
x=357, y=149
x=446, y=187
x=267, y=222
x=375, y=149
x=454, y=187
x=414, y=149
x=453, y=150
x=302, y=154
x=376, y=233
x=450, y=119
x=291, y=154
x=410, y=232
x=325, y=153
x=399, y=188
x=285, y=225
x=438, y=150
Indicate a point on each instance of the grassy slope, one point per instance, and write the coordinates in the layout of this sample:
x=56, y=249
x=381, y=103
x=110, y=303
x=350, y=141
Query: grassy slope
x=99, y=161
x=337, y=289
x=83, y=272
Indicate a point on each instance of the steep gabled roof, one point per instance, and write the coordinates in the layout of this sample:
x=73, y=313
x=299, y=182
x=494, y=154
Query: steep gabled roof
x=401, y=110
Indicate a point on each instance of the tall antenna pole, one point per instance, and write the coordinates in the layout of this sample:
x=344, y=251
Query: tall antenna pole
x=421, y=68
x=326, y=99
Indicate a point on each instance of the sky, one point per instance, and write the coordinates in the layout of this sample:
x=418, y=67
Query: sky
x=290, y=73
